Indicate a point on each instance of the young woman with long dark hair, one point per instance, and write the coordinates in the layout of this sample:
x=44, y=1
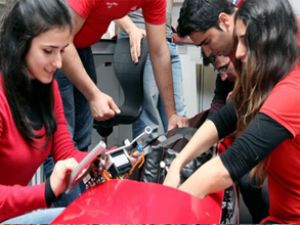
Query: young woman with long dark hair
x=33, y=37
x=264, y=115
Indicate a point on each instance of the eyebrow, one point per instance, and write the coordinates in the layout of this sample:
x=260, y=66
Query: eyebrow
x=53, y=46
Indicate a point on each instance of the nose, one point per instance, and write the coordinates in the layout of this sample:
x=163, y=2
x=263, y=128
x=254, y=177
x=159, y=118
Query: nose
x=240, y=51
x=207, y=51
x=57, y=61
x=221, y=61
x=223, y=76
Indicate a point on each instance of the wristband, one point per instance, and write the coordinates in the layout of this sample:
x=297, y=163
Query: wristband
x=49, y=194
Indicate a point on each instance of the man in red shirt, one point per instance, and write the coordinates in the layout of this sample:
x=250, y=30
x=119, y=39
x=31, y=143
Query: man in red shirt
x=91, y=19
x=82, y=99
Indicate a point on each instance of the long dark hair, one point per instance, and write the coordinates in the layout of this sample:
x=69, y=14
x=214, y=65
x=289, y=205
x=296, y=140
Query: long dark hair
x=271, y=41
x=25, y=20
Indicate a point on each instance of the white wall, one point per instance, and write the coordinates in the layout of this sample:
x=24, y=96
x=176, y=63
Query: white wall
x=296, y=5
x=2, y=3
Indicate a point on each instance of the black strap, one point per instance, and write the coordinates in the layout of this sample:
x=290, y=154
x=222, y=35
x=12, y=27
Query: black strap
x=179, y=133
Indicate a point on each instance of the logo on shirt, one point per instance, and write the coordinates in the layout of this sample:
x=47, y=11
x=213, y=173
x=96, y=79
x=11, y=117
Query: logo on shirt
x=109, y=5
x=133, y=8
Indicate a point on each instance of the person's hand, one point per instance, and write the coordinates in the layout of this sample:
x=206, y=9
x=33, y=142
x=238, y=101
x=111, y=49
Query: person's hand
x=135, y=36
x=103, y=107
x=60, y=176
x=229, y=96
x=134, y=157
x=177, y=121
x=173, y=177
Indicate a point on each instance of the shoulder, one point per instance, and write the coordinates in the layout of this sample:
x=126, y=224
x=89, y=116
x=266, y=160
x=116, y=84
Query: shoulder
x=82, y=7
x=154, y=11
x=289, y=85
x=288, y=89
x=283, y=102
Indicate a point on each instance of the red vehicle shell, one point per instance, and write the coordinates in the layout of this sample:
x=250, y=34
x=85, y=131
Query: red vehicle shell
x=127, y=202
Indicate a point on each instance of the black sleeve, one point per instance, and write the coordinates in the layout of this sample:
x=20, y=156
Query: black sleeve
x=49, y=194
x=222, y=89
x=261, y=136
x=225, y=119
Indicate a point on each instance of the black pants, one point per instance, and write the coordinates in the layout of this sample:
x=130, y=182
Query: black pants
x=255, y=198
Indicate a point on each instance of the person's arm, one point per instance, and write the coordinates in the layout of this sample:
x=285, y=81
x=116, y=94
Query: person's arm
x=202, y=140
x=209, y=178
x=102, y=106
x=16, y=200
x=161, y=63
x=63, y=146
x=222, y=89
x=259, y=139
x=135, y=35
x=207, y=135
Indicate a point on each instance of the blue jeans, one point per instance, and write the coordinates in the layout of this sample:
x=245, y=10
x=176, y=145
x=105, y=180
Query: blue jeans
x=153, y=113
x=76, y=107
x=78, y=116
x=43, y=216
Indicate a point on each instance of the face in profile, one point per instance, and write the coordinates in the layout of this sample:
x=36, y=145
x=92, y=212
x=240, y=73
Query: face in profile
x=241, y=49
x=223, y=65
x=216, y=41
x=225, y=68
x=45, y=54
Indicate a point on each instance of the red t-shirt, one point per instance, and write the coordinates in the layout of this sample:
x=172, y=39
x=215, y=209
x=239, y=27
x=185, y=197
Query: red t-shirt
x=98, y=15
x=283, y=106
x=298, y=20
x=19, y=162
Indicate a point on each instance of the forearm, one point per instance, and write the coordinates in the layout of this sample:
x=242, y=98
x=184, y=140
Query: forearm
x=259, y=139
x=202, y=140
x=126, y=23
x=17, y=200
x=161, y=64
x=163, y=76
x=209, y=178
x=76, y=73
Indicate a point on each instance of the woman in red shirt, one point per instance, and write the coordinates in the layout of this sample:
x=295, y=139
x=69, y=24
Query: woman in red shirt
x=264, y=115
x=33, y=37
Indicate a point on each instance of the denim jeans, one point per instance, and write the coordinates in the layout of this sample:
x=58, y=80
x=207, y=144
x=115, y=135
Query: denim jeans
x=43, y=216
x=78, y=116
x=76, y=107
x=153, y=113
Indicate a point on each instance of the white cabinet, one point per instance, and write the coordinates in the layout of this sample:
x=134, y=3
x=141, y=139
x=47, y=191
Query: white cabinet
x=198, y=81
